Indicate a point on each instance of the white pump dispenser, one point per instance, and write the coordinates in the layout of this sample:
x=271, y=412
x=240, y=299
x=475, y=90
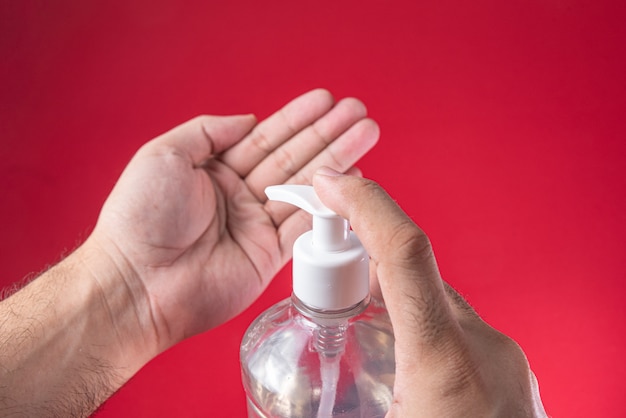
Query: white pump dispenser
x=327, y=351
x=330, y=265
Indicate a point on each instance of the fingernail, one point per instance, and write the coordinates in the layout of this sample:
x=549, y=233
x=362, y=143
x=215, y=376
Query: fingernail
x=327, y=171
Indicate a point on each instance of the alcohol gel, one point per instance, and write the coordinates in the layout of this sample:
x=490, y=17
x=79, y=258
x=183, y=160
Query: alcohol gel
x=328, y=350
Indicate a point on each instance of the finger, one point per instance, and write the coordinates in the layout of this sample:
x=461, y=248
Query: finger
x=340, y=155
x=276, y=129
x=354, y=171
x=403, y=259
x=297, y=223
x=299, y=150
x=204, y=136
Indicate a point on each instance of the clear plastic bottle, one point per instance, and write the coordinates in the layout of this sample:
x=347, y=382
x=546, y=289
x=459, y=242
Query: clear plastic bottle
x=328, y=350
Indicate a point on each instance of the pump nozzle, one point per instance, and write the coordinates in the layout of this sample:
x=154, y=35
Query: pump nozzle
x=330, y=231
x=330, y=266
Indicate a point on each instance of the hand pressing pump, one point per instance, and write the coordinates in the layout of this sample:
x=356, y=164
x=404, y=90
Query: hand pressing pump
x=328, y=350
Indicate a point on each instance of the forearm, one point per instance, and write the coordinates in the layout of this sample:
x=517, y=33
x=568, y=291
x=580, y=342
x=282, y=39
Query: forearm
x=60, y=339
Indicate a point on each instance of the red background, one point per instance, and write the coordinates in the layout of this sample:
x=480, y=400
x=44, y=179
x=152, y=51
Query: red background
x=503, y=134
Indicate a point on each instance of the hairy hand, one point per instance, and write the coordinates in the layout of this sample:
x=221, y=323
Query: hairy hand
x=449, y=363
x=188, y=222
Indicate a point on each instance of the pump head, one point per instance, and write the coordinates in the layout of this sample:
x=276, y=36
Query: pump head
x=330, y=265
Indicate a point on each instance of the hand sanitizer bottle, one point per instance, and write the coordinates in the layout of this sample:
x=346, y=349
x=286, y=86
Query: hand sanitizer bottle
x=328, y=351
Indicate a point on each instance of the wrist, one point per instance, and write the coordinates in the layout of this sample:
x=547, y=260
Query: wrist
x=120, y=303
x=73, y=336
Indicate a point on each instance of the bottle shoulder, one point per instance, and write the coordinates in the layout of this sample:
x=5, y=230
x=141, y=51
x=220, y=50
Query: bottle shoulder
x=283, y=331
x=285, y=317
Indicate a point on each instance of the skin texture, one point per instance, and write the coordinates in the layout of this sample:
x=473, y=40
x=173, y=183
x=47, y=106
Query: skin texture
x=185, y=241
x=449, y=363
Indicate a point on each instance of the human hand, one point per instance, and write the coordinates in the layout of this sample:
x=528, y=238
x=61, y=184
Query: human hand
x=449, y=362
x=188, y=222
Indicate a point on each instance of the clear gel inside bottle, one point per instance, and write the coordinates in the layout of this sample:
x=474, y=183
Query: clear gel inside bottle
x=300, y=363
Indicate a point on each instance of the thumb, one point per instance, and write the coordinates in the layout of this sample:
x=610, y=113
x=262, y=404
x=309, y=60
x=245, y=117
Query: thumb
x=205, y=136
x=403, y=261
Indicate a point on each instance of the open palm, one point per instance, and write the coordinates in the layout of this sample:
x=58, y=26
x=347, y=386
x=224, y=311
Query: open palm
x=189, y=216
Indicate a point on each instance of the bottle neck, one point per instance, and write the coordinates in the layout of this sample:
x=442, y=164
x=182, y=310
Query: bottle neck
x=327, y=317
x=329, y=326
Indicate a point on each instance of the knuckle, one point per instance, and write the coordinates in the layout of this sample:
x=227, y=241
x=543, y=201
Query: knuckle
x=284, y=160
x=300, y=177
x=288, y=122
x=260, y=140
x=413, y=244
x=319, y=136
x=511, y=348
x=333, y=161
